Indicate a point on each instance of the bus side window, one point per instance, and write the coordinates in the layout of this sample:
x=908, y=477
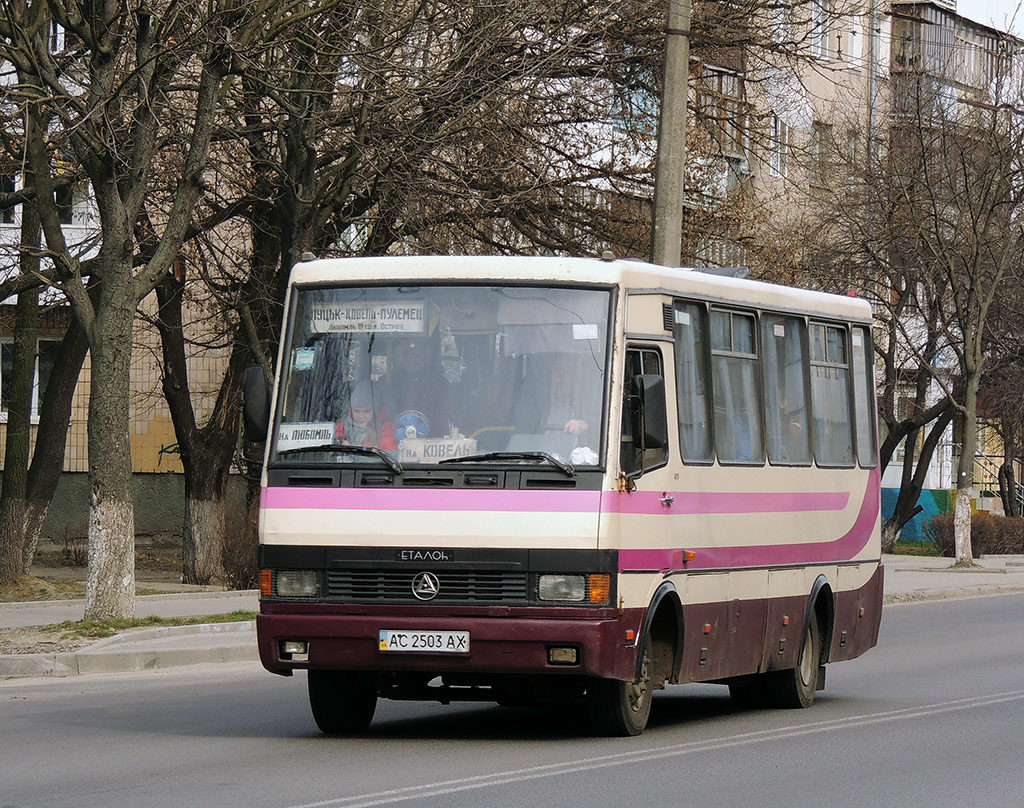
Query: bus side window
x=734, y=379
x=864, y=398
x=632, y=458
x=831, y=395
x=689, y=330
x=783, y=366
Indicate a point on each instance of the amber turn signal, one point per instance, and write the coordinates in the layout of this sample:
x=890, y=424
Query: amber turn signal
x=600, y=588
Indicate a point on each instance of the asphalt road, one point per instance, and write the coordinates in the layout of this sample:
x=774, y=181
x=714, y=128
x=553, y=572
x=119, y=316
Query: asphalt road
x=932, y=717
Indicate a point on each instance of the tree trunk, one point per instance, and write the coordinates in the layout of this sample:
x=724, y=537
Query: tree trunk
x=204, y=540
x=51, y=436
x=890, y=534
x=206, y=452
x=16, y=452
x=110, y=585
x=965, y=474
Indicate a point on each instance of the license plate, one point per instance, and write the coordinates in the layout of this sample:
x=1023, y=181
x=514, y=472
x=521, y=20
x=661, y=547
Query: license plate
x=424, y=642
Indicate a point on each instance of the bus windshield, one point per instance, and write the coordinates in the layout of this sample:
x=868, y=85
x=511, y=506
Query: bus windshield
x=432, y=373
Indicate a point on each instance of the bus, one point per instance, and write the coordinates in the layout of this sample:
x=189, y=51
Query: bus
x=537, y=480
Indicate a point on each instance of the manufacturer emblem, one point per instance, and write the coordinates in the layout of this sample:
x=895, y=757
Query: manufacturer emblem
x=425, y=586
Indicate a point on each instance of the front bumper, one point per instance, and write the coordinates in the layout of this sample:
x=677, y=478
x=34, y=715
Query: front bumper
x=506, y=643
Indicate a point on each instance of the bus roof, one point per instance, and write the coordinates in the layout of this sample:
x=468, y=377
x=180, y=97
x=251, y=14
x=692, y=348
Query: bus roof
x=635, y=277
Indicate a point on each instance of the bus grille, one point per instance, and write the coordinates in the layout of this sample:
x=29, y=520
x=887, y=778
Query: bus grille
x=454, y=586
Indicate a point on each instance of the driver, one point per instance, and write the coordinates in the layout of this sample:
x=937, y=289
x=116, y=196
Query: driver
x=418, y=391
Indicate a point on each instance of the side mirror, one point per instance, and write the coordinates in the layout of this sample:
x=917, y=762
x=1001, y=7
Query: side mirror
x=650, y=388
x=256, y=398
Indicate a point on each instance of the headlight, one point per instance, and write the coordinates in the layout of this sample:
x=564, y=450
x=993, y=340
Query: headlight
x=297, y=583
x=562, y=587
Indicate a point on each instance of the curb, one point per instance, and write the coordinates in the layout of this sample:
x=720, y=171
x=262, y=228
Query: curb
x=105, y=656
x=977, y=591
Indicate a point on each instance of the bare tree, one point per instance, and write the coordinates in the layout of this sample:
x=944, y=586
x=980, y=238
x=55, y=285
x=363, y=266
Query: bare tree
x=931, y=231
x=116, y=94
x=431, y=127
x=28, y=489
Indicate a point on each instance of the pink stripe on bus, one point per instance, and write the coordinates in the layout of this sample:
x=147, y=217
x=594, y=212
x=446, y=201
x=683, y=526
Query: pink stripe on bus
x=426, y=499
x=843, y=548
x=692, y=502
x=637, y=502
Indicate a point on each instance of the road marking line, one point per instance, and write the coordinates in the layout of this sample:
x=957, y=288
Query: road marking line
x=587, y=764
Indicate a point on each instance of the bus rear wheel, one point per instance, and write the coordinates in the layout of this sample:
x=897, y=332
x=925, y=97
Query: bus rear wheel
x=621, y=709
x=794, y=688
x=343, y=702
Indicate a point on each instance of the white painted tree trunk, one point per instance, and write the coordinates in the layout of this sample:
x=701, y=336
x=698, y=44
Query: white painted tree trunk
x=889, y=536
x=35, y=515
x=110, y=584
x=962, y=528
x=204, y=532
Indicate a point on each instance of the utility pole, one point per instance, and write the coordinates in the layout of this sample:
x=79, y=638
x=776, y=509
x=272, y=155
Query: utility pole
x=666, y=234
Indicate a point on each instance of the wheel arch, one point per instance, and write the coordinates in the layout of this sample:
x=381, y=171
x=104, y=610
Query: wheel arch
x=822, y=602
x=664, y=621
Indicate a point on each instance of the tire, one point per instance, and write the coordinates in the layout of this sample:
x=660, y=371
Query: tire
x=621, y=709
x=343, y=703
x=794, y=688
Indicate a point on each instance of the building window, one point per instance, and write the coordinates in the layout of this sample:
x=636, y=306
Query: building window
x=852, y=143
x=821, y=16
x=46, y=355
x=723, y=109
x=782, y=24
x=62, y=40
x=779, y=159
x=821, y=141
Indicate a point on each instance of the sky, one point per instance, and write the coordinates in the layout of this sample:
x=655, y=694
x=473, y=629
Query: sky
x=1003, y=15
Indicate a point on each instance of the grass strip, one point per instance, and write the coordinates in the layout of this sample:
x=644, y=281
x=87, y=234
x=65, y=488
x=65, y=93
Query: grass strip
x=98, y=629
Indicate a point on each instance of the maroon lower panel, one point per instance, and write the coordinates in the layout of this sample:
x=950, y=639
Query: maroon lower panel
x=503, y=645
x=754, y=636
x=858, y=616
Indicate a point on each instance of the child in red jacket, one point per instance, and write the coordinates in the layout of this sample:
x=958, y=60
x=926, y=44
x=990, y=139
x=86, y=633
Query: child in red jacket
x=366, y=425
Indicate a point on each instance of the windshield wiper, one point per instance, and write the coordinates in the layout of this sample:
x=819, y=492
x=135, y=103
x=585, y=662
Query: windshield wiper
x=345, y=448
x=564, y=467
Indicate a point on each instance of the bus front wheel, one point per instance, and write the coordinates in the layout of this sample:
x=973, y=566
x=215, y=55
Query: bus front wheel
x=343, y=702
x=618, y=708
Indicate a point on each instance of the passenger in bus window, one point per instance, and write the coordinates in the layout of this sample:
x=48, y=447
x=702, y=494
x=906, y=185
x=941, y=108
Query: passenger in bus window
x=367, y=422
x=559, y=400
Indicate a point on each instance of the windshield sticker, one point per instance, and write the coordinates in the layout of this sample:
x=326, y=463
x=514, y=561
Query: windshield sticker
x=295, y=436
x=584, y=330
x=304, y=358
x=428, y=450
x=334, y=318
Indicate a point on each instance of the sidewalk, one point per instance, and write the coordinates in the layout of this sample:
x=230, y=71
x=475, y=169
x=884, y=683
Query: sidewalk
x=907, y=579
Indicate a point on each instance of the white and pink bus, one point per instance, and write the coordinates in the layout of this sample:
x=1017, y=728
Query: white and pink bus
x=551, y=479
